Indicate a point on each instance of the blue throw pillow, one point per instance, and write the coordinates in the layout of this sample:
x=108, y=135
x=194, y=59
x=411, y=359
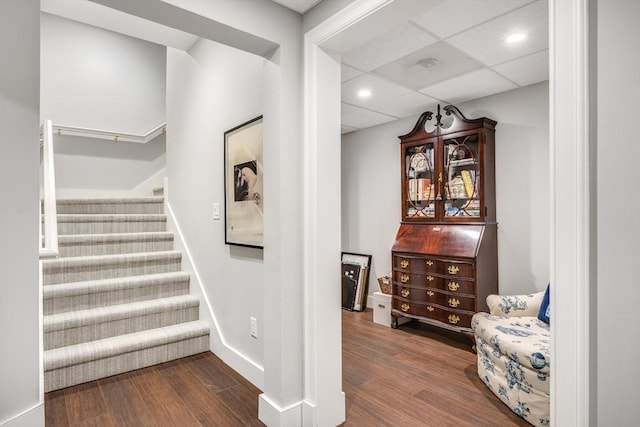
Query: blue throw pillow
x=543, y=314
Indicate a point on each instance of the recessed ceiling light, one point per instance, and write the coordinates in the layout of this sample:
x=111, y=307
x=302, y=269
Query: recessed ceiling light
x=364, y=93
x=516, y=37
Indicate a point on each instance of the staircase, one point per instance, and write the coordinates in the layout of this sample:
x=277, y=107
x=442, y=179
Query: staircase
x=115, y=299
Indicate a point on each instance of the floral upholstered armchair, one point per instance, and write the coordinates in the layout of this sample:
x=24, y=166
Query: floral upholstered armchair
x=514, y=353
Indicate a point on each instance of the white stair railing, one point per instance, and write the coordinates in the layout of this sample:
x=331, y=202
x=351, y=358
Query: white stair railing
x=48, y=245
x=114, y=136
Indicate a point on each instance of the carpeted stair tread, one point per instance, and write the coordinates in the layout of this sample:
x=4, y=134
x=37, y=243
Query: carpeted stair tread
x=74, y=319
x=99, y=349
x=73, y=245
x=63, y=297
x=94, y=286
x=84, y=268
x=75, y=327
x=139, y=205
x=110, y=223
x=110, y=217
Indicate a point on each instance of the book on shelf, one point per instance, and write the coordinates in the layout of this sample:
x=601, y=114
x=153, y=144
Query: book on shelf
x=468, y=182
x=462, y=162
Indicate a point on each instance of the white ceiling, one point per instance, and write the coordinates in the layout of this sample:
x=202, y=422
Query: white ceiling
x=468, y=40
x=383, y=52
x=300, y=6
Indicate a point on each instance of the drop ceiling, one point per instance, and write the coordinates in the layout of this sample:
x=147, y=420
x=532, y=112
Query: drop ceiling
x=448, y=52
x=411, y=55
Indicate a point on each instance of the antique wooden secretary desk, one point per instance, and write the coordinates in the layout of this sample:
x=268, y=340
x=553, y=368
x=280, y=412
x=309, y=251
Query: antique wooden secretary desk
x=444, y=259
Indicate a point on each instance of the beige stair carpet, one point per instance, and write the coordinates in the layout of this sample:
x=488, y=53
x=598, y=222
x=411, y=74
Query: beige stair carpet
x=115, y=299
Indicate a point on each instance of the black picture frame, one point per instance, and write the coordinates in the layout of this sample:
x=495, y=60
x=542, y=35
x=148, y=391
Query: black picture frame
x=355, y=280
x=243, y=189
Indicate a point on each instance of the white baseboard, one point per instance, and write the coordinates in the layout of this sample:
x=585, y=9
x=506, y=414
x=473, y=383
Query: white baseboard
x=246, y=367
x=32, y=417
x=274, y=416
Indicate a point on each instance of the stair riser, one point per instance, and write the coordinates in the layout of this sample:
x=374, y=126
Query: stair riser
x=101, y=368
x=56, y=275
x=110, y=227
x=110, y=208
x=112, y=297
x=86, y=333
x=112, y=248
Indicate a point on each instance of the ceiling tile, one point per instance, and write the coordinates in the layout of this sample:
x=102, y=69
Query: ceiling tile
x=300, y=6
x=487, y=44
x=380, y=90
x=346, y=129
x=348, y=73
x=397, y=43
x=404, y=105
x=476, y=84
x=360, y=118
x=466, y=13
x=528, y=70
x=407, y=71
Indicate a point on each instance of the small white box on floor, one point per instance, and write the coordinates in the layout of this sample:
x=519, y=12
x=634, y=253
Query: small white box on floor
x=382, y=308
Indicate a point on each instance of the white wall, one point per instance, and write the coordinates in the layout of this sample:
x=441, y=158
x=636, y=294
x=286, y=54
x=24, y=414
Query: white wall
x=211, y=89
x=618, y=227
x=19, y=163
x=371, y=187
x=103, y=80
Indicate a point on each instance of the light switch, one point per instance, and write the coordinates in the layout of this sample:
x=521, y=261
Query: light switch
x=216, y=211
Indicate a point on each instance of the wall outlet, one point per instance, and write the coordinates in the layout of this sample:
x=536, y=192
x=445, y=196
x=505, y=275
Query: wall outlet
x=254, y=327
x=216, y=211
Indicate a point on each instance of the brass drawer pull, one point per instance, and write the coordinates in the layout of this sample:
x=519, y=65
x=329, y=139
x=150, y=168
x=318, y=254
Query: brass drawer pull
x=429, y=308
x=453, y=269
x=453, y=286
x=405, y=292
x=430, y=278
x=405, y=307
x=404, y=278
x=404, y=263
x=429, y=262
x=453, y=319
x=453, y=302
x=430, y=293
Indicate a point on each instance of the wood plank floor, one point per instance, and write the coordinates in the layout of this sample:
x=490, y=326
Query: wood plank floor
x=411, y=376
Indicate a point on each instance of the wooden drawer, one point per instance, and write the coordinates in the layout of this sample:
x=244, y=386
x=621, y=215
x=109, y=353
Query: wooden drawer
x=412, y=293
x=455, y=286
x=430, y=264
x=455, y=268
x=413, y=279
x=414, y=264
x=457, y=318
x=450, y=300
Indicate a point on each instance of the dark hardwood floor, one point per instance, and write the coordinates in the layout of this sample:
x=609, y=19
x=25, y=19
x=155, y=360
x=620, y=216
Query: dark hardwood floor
x=411, y=376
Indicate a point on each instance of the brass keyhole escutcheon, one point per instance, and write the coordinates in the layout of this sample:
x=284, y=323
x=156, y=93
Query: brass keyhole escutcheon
x=405, y=307
x=404, y=263
x=404, y=278
x=429, y=262
x=430, y=278
x=405, y=292
x=430, y=293
x=453, y=286
x=429, y=308
x=453, y=319
x=453, y=269
x=453, y=302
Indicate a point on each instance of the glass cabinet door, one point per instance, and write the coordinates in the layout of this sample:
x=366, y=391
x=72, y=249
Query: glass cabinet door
x=462, y=177
x=420, y=186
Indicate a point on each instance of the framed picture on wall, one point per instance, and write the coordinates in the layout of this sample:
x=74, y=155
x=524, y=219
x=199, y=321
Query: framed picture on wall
x=243, y=192
x=355, y=280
